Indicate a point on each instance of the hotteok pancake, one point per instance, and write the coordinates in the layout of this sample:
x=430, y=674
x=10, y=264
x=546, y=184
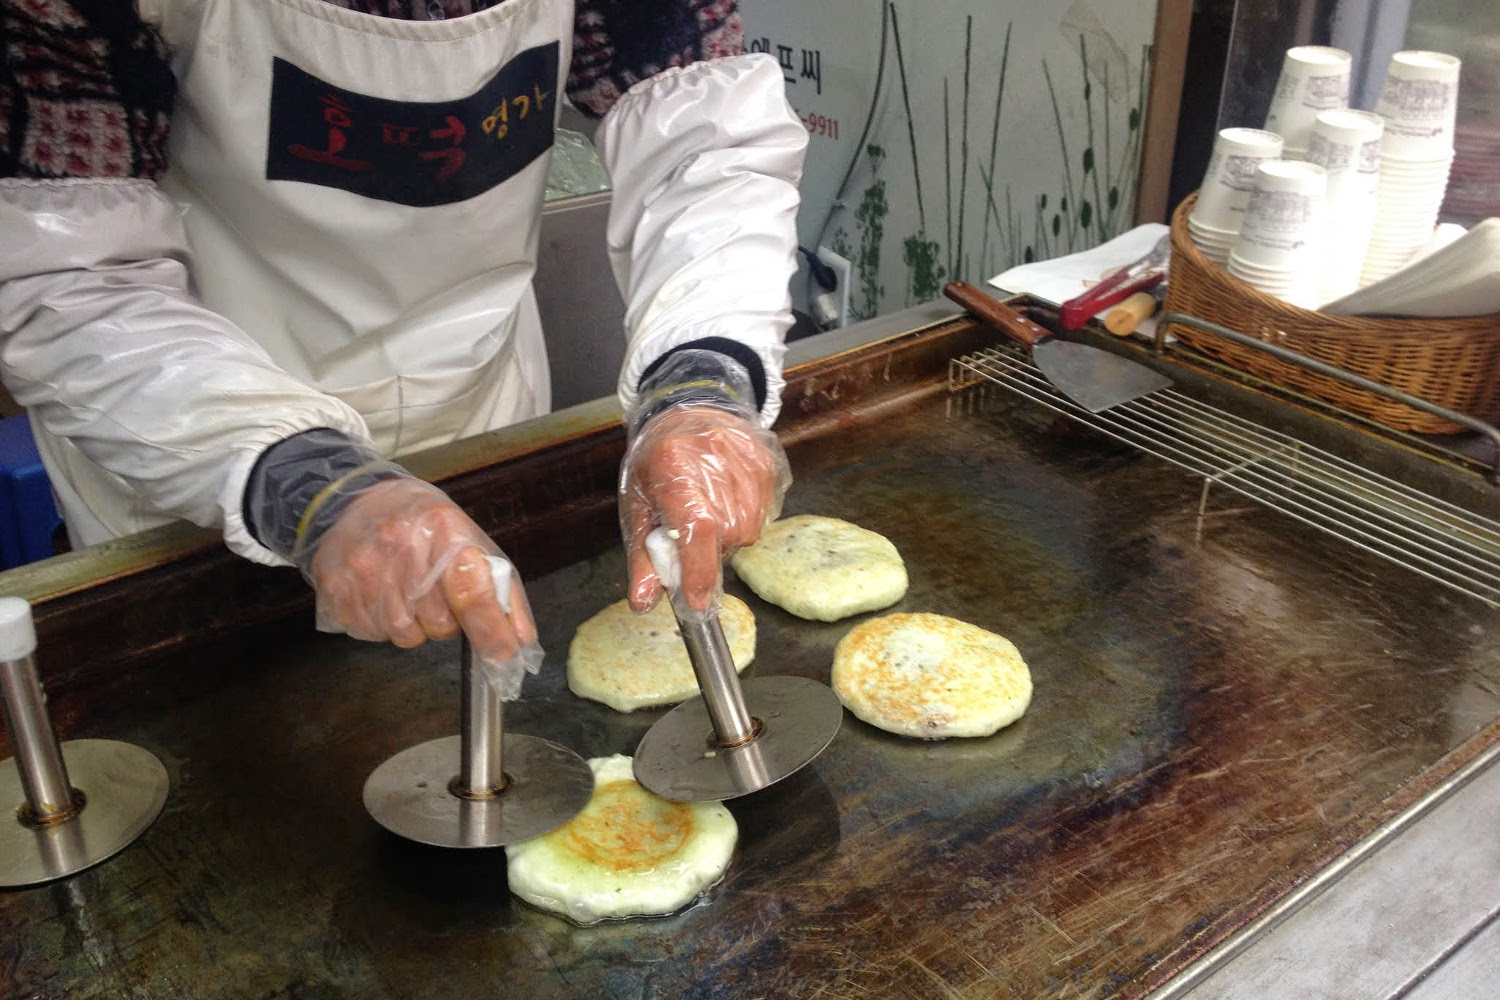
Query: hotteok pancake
x=930, y=676
x=630, y=661
x=628, y=853
x=822, y=568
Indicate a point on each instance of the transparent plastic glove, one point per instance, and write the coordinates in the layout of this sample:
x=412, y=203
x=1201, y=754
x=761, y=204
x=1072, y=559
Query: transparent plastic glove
x=710, y=473
x=666, y=562
x=403, y=563
x=505, y=676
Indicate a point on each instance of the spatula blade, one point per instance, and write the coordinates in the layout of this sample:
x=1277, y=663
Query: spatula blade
x=1094, y=379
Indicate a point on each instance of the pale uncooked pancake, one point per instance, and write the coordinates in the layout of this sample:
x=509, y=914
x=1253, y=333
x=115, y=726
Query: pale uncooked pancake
x=630, y=661
x=930, y=676
x=628, y=854
x=822, y=568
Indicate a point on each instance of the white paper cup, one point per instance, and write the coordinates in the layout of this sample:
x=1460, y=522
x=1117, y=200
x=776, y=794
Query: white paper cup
x=1314, y=78
x=1211, y=237
x=1415, y=165
x=1346, y=245
x=1346, y=144
x=1227, y=183
x=1266, y=281
x=1206, y=234
x=1408, y=212
x=1413, y=184
x=1418, y=102
x=1340, y=277
x=1214, y=243
x=1216, y=252
x=1281, y=289
x=1197, y=225
x=1378, y=268
x=1284, y=219
x=1402, y=202
x=1348, y=126
x=1406, y=173
x=1402, y=229
x=1292, y=288
x=1398, y=234
x=1391, y=256
x=1395, y=197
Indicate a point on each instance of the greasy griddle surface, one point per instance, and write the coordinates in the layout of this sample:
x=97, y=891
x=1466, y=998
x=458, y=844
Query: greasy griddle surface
x=1212, y=721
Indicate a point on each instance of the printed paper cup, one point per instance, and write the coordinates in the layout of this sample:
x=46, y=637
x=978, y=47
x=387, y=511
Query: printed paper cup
x=1419, y=102
x=1314, y=78
x=1284, y=219
x=1227, y=183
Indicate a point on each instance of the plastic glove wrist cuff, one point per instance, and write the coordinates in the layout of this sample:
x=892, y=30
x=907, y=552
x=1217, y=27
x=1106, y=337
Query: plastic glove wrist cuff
x=694, y=376
x=730, y=361
x=290, y=474
x=694, y=394
x=325, y=508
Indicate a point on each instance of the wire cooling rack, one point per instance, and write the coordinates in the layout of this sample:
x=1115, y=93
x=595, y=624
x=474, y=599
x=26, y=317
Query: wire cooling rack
x=1427, y=535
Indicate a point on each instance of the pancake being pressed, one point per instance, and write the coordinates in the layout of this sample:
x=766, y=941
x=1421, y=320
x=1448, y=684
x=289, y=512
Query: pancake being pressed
x=630, y=661
x=629, y=853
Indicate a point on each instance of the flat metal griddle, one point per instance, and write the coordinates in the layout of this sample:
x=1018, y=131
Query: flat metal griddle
x=1214, y=720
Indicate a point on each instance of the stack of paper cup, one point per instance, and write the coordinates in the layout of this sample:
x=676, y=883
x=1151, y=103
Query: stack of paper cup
x=1225, y=192
x=1346, y=144
x=1418, y=102
x=1314, y=78
x=1279, y=245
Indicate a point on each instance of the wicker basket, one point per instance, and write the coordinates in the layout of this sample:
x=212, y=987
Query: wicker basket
x=1451, y=362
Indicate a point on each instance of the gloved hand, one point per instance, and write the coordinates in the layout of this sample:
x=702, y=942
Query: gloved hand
x=390, y=557
x=700, y=463
x=402, y=562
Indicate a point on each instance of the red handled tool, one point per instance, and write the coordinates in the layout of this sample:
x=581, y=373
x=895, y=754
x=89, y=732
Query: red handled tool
x=1144, y=274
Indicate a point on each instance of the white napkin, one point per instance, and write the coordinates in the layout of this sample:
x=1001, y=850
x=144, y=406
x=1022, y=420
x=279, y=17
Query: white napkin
x=1063, y=278
x=1459, y=279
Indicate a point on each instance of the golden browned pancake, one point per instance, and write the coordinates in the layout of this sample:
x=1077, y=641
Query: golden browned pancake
x=630, y=661
x=628, y=853
x=822, y=568
x=930, y=676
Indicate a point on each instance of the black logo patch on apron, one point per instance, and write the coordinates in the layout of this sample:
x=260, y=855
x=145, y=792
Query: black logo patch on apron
x=408, y=152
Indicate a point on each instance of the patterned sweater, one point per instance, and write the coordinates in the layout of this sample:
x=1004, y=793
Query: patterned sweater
x=86, y=88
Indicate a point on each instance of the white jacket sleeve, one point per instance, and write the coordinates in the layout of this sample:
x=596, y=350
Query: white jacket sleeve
x=705, y=161
x=103, y=341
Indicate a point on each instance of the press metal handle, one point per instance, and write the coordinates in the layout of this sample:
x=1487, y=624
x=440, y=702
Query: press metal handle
x=708, y=649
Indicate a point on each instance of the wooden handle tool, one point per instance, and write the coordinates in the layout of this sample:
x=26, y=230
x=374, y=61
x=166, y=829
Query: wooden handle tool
x=1125, y=317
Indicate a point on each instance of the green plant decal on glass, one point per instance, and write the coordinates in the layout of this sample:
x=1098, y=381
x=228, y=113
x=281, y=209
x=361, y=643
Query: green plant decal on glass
x=1094, y=205
x=925, y=274
x=869, y=219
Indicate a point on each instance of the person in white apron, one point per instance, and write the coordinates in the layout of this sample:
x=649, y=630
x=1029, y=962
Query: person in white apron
x=329, y=265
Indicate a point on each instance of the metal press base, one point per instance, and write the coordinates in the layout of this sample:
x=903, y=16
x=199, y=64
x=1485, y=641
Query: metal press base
x=545, y=785
x=123, y=791
x=682, y=759
x=482, y=788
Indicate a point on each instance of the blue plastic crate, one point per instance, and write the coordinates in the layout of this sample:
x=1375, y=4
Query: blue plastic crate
x=28, y=513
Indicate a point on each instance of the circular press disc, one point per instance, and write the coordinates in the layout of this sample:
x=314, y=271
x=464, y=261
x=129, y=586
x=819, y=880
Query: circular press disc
x=124, y=789
x=679, y=758
x=546, y=785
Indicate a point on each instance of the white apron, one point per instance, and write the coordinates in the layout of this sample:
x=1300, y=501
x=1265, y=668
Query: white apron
x=363, y=198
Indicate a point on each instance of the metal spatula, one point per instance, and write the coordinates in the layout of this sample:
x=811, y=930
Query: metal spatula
x=1094, y=379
